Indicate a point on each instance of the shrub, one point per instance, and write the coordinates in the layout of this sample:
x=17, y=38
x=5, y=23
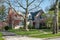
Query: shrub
x=6, y=27
x=44, y=27
x=30, y=27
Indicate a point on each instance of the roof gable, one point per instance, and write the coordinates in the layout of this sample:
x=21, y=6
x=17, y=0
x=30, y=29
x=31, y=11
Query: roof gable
x=35, y=13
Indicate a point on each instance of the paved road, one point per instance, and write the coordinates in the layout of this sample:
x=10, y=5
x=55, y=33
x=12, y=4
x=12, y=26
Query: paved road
x=21, y=38
x=55, y=39
x=26, y=38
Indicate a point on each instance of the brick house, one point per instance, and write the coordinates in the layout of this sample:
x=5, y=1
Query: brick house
x=14, y=19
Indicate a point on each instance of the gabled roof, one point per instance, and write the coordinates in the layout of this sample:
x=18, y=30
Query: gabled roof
x=13, y=13
x=35, y=13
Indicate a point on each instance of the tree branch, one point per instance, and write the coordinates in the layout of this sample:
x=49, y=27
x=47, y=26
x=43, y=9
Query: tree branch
x=31, y=3
x=37, y=5
x=11, y=6
x=20, y=5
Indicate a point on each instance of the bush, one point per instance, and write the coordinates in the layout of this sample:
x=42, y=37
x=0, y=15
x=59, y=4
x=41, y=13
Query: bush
x=31, y=27
x=44, y=27
x=6, y=27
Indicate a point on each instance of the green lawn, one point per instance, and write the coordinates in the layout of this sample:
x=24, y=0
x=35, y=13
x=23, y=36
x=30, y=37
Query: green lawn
x=1, y=36
x=44, y=33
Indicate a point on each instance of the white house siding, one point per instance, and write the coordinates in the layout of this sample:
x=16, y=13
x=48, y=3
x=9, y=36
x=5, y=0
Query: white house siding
x=31, y=22
x=37, y=20
x=36, y=23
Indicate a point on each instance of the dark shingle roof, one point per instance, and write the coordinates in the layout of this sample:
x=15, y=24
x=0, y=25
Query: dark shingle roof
x=34, y=14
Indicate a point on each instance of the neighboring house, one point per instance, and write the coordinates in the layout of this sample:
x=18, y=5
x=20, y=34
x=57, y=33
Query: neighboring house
x=14, y=19
x=38, y=19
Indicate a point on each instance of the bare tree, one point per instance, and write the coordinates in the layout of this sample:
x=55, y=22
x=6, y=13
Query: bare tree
x=28, y=4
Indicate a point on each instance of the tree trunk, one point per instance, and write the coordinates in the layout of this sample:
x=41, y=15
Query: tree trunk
x=57, y=6
x=57, y=12
x=55, y=23
x=25, y=20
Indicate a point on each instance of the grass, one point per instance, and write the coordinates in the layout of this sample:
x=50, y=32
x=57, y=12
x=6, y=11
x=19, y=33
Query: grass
x=1, y=36
x=44, y=33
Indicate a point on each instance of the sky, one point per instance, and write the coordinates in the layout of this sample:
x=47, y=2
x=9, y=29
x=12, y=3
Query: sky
x=45, y=5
